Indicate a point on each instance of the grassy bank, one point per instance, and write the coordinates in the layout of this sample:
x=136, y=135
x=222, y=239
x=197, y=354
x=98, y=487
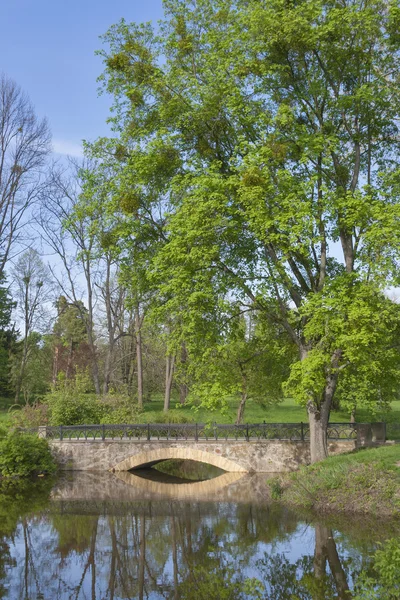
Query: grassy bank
x=363, y=482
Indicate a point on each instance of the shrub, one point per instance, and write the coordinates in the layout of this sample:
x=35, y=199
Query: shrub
x=119, y=409
x=30, y=415
x=23, y=455
x=71, y=404
x=69, y=409
x=383, y=583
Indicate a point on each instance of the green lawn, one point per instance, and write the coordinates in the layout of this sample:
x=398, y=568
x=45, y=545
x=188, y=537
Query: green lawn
x=286, y=412
x=4, y=417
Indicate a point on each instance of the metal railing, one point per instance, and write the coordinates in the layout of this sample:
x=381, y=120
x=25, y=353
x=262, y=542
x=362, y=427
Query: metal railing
x=193, y=431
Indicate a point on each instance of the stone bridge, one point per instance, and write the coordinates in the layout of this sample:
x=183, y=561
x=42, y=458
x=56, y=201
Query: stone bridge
x=234, y=456
x=261, y=447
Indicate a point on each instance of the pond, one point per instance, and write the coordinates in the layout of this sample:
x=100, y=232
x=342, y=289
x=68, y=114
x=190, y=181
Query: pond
x=172, y=535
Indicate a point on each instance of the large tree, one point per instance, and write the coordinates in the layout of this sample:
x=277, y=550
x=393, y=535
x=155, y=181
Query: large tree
x=33, y=293
x=272, y=129
x=24, y=147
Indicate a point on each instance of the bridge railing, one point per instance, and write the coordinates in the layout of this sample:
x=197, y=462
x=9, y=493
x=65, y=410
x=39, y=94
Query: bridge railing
x=193, y=431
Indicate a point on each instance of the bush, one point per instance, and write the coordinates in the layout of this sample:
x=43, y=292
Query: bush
x=23, y=455
x=80, y=409
x=30, y=415
x=384, y=584
x=71, y=404
x=119, y=409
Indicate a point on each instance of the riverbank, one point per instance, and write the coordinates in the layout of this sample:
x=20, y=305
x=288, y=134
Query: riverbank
x=362, y=482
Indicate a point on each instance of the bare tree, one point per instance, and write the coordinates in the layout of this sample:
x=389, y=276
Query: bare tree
x=24, y=147
x=33, y=291
x=113, y=298
x=73, y=243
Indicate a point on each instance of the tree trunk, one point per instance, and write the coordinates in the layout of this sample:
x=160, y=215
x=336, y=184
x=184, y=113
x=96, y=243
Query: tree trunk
x=139, y=358
x=21, y=373
x=142, y=557
x=320, y=553
x=55, y=364
x=69, y=361
x=318, y=413
x=169, y=373
x=353, y=414
x=318, y=434
x=183, y=392
x=89, y=321
x=174, y=556
x=95, y=372
x=107, y=370
x=183, y=388
x=336, y=567
x=241, y=407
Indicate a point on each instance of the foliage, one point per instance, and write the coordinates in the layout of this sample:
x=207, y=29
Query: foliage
x=20, y=497
x=69, y=327
x=281, y=138
x=384, y=581
x=219, y=584
x=30, y=415
x=23, y=455
x=34, y=382
x=119, y=409
x=344, y=316
x=172, y=416
x=71, y=402
x=245, y=358
x=7, y=335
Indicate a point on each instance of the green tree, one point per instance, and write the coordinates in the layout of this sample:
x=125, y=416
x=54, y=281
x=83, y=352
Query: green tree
x=69, y=331
x=244, y=358
x=36, y=376
x=8, y=337
x=33, y=289
x=271, y=130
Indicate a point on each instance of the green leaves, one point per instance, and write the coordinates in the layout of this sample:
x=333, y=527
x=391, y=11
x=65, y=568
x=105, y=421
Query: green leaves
x=24, y=455
x=260, y=171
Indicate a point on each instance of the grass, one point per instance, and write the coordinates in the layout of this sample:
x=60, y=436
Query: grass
x=286, y=412
x=363, y=482
x=4, y=418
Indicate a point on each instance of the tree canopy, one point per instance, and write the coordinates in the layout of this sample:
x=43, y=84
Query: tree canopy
x=268, y=134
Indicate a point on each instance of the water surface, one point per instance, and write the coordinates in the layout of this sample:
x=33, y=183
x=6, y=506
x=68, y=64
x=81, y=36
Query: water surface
x=101, y=536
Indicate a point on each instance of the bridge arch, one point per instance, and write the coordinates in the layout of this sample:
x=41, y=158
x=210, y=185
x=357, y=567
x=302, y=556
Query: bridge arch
x=155, y=456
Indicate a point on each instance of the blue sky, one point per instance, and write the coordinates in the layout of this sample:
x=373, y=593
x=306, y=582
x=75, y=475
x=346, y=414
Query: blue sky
x=47, y=47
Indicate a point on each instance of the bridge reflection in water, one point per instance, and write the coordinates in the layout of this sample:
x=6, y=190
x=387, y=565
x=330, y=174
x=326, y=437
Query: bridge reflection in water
x=210, y=489
x=125, y=486
x=111, y=536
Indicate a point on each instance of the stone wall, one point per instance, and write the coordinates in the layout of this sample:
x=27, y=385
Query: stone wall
x=232, y=456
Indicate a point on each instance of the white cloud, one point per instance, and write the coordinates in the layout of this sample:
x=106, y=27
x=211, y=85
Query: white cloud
x=67, y=148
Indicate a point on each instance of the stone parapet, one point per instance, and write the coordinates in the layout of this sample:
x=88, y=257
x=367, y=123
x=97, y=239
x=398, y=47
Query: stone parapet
x=266, y=456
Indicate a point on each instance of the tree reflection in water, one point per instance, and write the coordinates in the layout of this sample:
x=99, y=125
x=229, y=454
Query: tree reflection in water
x=167, y=548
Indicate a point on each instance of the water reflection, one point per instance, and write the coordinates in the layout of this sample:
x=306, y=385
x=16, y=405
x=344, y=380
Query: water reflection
x=105, y=537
